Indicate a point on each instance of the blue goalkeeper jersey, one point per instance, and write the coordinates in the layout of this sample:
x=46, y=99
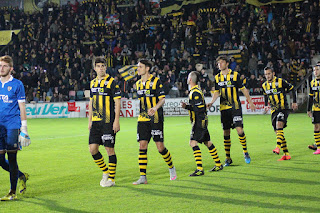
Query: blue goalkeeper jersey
x=11, y=93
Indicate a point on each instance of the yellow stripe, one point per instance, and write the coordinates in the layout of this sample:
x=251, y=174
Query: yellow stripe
x=229, y=89
x=235, y=98
x=276, y=98
x=156, y=115
x=109, y=83
x=107, y=109
x=148, y=98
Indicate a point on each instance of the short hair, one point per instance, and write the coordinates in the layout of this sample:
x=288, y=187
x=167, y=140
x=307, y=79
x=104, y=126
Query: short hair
x=146, y=62
x=7, y=59
x=98, y=59
x=224, y=58
x=268, y=68
x=194, y=76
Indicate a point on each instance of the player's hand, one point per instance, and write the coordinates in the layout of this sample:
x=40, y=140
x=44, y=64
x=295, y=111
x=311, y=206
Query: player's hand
x=294, y=106
x=209, y=105
x=89, y=125
x=183, y=105
x=24, y=139
x=116, y=126
x=252, y=107
x=151, y=111
x=309, y=114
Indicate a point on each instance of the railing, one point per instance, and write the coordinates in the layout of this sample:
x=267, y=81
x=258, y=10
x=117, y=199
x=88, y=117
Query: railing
x=303, y=86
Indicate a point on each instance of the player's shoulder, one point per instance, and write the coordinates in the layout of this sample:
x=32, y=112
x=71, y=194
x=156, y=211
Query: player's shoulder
x=16, y=81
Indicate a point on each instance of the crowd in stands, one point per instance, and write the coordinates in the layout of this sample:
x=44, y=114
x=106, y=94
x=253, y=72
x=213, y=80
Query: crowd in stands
x=53, y=52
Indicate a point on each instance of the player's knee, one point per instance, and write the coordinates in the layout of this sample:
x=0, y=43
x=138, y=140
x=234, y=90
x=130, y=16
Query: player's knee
x=110, y=151
x=160, y=146
x=317, y=127
x=193, y=143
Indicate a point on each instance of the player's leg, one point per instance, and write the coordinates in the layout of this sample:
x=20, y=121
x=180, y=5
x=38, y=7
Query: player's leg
x=143, y=137
x=243, y=142
x=317, y=137
x=198, y=158
x=316, y=122
x=226, y=121
x=274, y=125
x=111, y=166
x=95, y=141
x=157, y=135
x=281, y=138
x=214, y=154
x=11, y=143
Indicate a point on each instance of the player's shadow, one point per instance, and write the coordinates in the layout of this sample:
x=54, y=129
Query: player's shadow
x=53, y=206
x=231, y=190
x=265, y=178
x=214, y=198
x=288, y=168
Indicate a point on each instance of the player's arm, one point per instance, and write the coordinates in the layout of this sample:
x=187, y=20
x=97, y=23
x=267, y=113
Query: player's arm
x=215, y=96
x=117, y=102
x=161, y=96
x=310, y=102
x=24, y=138
x=248, y=97
x=290, y=87
x=90, y=114
x=116, y=123
x=153, y=110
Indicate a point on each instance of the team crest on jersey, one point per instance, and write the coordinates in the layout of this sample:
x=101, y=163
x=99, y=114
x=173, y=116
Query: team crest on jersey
x=9, y=88
x=106, y=82
x=151, y=84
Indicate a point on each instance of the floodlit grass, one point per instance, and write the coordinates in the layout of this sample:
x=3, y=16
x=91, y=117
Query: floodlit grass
x=63, y=177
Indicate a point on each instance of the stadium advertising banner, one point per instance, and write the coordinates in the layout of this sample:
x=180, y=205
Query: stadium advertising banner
x=6, y=35
x=259, y=3
x=130, y=108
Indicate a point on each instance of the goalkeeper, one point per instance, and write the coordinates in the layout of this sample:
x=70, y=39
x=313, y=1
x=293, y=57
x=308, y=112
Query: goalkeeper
x=13, y=117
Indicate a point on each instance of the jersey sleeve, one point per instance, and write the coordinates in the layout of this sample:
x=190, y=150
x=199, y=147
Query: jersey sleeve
x=310, y=88
x=216, y=85
x=91, y=84
x=21, y=96
x=264, y=89
x=287, y=85
x=159, y=90
x=238, y=82
x=116, y=93
x=197, y=101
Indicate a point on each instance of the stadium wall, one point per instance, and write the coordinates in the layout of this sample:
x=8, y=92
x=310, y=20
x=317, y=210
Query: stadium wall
x=130, y=108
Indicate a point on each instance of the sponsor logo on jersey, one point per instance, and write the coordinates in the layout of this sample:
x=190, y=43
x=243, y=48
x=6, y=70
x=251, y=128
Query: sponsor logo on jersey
x=5, y=99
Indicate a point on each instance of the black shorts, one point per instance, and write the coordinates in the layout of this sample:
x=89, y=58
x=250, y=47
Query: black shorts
x=280, y=115
x=147, y=129
x=231, y=118
x=200, y=134
x=102, y=133
x=315, y=117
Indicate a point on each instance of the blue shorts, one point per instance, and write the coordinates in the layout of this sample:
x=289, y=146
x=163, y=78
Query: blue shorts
x=9, y=139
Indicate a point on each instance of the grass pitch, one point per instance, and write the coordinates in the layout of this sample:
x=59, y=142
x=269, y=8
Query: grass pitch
x=63, y=177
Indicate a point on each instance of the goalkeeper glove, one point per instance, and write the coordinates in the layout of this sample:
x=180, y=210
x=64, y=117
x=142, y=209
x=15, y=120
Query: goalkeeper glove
x=24, y=138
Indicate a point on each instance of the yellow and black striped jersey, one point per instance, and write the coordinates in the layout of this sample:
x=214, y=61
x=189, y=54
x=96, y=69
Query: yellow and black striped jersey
x=275, y=91
x=197, y=108
x=149, y=93
x=315, y=94
x=103, y=93
x=228, y=87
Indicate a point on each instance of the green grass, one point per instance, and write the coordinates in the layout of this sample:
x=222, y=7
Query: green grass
x=63, y=177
